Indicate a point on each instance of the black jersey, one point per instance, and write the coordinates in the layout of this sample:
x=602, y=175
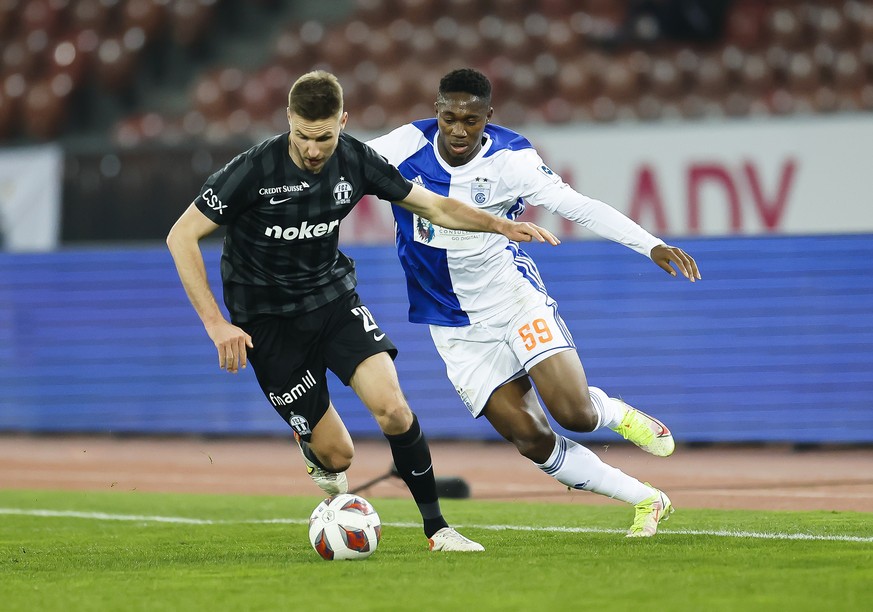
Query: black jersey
x=281, y=252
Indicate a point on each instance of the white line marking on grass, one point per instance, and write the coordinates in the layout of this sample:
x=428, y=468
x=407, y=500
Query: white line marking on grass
x=802, y=494
x=719, y=533
x=103, y=516
x=771, y=536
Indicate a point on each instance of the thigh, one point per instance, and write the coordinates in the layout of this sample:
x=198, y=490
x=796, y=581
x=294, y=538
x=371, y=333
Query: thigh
x=478, y=361
x=561, y=382
x=352, y=335
x=290, y=369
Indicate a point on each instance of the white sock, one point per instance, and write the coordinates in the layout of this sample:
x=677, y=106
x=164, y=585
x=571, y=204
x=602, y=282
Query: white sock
x=577, y=467
x=610, y=411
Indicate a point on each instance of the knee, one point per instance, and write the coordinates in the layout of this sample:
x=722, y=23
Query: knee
x=575, y=414
x=394, y=418
x=340, y=464
x=333, y=449
x=535, y=444
x=582, y=422
x=337, y=459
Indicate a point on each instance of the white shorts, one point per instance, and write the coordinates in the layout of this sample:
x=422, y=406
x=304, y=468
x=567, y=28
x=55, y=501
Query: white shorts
x=484, y=356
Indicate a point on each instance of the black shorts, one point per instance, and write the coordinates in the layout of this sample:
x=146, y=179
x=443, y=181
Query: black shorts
x=291, y=356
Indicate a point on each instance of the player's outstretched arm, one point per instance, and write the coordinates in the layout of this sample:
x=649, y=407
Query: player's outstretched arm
x=522, y=231
x=664, y=254
x=184, y=244
x=454, y=214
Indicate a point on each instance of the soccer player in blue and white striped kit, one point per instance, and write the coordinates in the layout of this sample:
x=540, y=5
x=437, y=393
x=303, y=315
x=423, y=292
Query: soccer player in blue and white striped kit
x=490, y=316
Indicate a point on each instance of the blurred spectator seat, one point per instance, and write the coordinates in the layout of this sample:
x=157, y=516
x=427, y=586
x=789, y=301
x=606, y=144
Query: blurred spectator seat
x=831, y=26
x=7, y=115
x=40, y=15
x=787, y=27
x=338, y=51
x=803, y=75
x=256, y=99
x=665, y=78
x=549, y=60
x=14, y=88
x=745, y=26
x=17, y=58
x=149, y=15
x=580, y=80
x=711, y=76
x=848, y=73
x=90, y=14
x=118, y=58
x=420, y=12
x=619, y=80
x=44, y=109
x=374, y=12
x=209, y=99
x=756, y=74
x=190, y=20
x=8, y=17
x=511, y=10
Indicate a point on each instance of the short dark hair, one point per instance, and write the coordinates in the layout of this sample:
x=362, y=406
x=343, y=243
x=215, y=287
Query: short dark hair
x=466, y=80
x=316, y=95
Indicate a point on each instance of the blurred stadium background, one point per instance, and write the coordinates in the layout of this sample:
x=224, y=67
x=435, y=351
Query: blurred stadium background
x=738, y=129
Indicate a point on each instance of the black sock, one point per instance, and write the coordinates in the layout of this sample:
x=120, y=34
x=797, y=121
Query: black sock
x=412, y=459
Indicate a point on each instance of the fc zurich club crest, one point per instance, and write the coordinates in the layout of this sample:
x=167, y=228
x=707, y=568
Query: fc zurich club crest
x=299, y=424
x=480, y=190
x=342, y=192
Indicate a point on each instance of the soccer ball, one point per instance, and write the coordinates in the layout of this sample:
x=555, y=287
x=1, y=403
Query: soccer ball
x=344, y=526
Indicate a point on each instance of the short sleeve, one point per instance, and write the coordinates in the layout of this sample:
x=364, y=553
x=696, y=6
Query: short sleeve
x=383, y=180
x=225, y=195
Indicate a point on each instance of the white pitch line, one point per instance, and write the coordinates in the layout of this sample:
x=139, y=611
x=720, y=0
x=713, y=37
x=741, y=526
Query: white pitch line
x=103, y=516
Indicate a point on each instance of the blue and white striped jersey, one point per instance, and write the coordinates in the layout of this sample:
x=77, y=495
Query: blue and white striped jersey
x=455, y=278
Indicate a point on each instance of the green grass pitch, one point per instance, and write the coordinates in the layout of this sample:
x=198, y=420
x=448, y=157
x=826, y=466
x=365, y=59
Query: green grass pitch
x=137, y=551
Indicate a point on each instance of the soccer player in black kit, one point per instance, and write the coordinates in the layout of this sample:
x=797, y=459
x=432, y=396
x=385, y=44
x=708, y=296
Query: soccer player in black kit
x=291, y=293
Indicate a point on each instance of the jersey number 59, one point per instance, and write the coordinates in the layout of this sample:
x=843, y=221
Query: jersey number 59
x=536, y=331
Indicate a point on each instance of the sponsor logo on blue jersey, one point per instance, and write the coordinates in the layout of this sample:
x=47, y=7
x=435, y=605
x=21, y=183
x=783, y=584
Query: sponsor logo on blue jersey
x=425, y=230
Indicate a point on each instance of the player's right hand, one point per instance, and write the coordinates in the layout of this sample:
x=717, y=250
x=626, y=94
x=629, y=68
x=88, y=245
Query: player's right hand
x=522, y=231
x=230, y=342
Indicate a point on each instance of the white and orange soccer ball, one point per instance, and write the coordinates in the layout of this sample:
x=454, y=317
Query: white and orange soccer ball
x=344, y=526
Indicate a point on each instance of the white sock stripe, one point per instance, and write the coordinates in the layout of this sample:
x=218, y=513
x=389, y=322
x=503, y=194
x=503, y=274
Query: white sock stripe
x=558, y=463
x=599, y=408
x=662, y=531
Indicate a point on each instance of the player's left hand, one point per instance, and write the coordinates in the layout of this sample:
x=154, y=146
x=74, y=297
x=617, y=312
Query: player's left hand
x=526, y=232
x=664, y=254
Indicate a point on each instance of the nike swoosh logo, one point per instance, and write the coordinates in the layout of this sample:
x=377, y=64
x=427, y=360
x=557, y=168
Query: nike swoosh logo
x=378, y=337
x=414, y=473
x=275, y=201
